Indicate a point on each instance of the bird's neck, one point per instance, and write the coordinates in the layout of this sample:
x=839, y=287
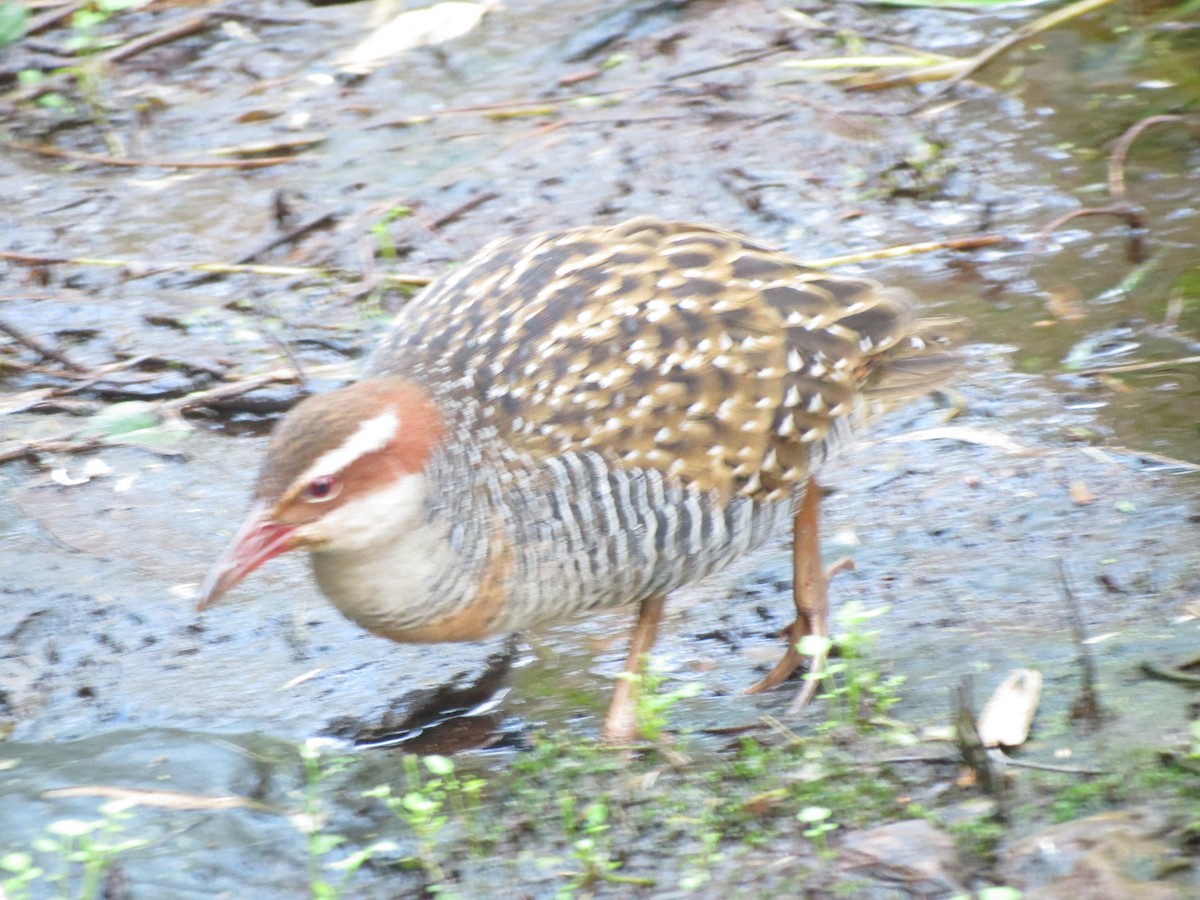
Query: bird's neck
x=422, y=580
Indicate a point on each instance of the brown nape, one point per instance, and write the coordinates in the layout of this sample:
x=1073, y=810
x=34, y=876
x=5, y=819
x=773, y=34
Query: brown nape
x=323, y=422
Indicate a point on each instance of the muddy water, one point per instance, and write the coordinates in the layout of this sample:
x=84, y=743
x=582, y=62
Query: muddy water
x=109, y=678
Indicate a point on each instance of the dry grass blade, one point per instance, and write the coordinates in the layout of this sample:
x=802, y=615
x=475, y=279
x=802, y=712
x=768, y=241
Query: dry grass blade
x=958, y=70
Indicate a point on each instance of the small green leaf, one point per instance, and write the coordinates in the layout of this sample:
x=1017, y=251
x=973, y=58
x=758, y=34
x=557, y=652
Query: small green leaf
x=814, y=645
x=71, y=828
x=439, y=765
x=320, y=844
x=12, y=22
x=999, y=893
x=122, y=418
x=16, y=862
x=419, y=803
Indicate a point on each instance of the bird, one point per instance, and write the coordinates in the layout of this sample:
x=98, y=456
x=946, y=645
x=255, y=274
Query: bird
x=580, y=420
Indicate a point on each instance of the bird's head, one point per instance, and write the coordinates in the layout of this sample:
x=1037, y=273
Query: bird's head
x=344, y=471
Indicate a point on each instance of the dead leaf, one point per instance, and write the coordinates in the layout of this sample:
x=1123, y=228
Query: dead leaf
x=1080, y=495
x=427, y=27
x=1009, y=712
x=1065, y=303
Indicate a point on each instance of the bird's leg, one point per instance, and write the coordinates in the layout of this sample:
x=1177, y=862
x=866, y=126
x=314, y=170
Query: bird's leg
x=620, y=723
x=810, y=592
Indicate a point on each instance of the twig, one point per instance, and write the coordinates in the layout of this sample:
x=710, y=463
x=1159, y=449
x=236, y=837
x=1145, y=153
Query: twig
x=1086, y=706
x=1024, y=33
x=463, y=208
x=1121, y=210
x=1119, y=206
x=1166, y=461
x=101, y=159
x=1173, y=673
x=974, y=755
x=43, y=350
x=732, y=63
x=225, y=391
x=142, y=268
x=1116, y=160
x=320, y=221
x=1047, y=767
x=932, y=760
x=966, y=243
x=165, y=35
x=1132, y=215
x=70, y=442
x=1006, y=760
x=1144, y=366
x=53, y=16
x=95, y=376
x=286, y=348
x=64, y=443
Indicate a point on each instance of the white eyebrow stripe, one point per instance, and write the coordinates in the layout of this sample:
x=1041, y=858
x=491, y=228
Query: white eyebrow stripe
x=373, y=434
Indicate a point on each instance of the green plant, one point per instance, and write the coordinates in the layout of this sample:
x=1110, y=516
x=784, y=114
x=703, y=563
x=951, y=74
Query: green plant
x=652, y=706
x=311, y=822
x=979, y=838
x=383, y=237
x=13, y=17
x=817, y=820
x=752, y=760
x=85, y=40
x=856, y=691
x=89, y=17
x=992, y=893
x=709, y=830
x=23, y=871
x=423, y=807
x=589, y=847
x=86, y=850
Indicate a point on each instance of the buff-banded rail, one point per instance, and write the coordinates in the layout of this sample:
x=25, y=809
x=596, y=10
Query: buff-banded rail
x=580, y=420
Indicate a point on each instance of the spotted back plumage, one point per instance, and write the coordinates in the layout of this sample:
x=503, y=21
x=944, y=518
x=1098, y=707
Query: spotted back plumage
x=725, y=366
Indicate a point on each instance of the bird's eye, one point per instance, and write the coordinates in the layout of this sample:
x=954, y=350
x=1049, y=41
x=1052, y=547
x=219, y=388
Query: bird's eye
x=320, y=489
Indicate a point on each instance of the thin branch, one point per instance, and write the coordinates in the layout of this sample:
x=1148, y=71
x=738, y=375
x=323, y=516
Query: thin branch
x=142, y=268
x=101, y=159
x=1086, y=706
x=53, y=16
x=732, y=63
x=1024, y=33
x=165, y=35
x=1047, y=767
x=1132, y=216
x=1144, y=366
x=34, y=344
x=322, y=220
x=463, y=208
x=898, y=250
x=1116, y=160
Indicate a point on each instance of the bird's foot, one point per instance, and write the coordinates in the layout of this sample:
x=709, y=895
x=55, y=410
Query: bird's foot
x=620, y=723
x=812, y=618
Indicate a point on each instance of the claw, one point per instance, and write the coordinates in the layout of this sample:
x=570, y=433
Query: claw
x=810, y=592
